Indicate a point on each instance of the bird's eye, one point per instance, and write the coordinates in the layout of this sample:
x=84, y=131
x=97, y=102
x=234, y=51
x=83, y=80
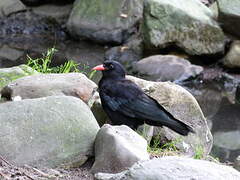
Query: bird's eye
x=111, y=66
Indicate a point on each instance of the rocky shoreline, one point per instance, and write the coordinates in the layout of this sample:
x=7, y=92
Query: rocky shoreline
x=56, y=120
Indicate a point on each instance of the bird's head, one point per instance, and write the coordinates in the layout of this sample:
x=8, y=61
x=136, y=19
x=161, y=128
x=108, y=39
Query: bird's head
x=111, y=69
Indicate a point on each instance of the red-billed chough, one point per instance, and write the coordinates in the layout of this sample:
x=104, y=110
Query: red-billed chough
x=125, y=103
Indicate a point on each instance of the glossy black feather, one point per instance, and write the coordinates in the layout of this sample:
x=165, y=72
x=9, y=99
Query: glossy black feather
x=125, y=103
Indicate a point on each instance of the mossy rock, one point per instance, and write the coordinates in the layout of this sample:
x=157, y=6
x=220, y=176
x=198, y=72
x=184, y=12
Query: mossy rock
x=10, y=74
x=105, y=21
x=49, y=131
x=186, y=24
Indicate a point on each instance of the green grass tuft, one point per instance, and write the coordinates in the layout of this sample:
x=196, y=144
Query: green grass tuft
x=43, y=65
x=158, y=149
x=199, y=152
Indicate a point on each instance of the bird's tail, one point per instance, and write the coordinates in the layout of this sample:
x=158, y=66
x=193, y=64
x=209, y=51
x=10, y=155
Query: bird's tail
x=179, y=127
x=164, y=118
x=173, y=124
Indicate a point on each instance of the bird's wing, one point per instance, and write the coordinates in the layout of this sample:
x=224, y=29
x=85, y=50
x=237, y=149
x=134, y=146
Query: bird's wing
x=127, y=98
x=144, y=107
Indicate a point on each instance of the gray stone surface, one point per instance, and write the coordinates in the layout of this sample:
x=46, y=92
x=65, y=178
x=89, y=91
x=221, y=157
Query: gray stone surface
x=10, y=74
x=47, y=131
x=229, y=15
x=232, y=59
x=167, y=68
x=214, y=8
x=174, y=168
x=183, y=106
x=99, y=113
x=8, y=7
x=105, y=21
x=42, y=85
x=10, y=54
x=187, y=24
x=118, y=148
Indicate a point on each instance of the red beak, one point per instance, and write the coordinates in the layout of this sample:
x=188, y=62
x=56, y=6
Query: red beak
x=99, y=68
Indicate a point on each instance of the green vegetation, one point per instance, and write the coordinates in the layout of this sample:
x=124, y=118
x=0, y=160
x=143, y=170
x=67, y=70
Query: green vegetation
x=43, y=65
x=158, y=149
x=199, y=152
x=10, y=74
x=168, y=148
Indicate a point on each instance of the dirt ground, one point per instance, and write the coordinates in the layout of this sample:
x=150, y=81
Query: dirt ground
x=9, y=171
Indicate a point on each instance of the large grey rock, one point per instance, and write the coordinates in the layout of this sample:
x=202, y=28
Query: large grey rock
x=183, y=106
x=173, y=168
x=42, y=85
x=229, y=15
x=8, y=7
x=10, y=74
x=105, y=21
x=188, y=24
x=232, y=59
x=167, y=68
x=47, y=131
x=118, y=148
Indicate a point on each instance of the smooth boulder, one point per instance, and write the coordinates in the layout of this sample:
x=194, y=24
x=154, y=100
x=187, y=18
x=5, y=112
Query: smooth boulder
x=8, y=7
x=229, y=15
x=49, y=131
x=105, y=21
x=10, y=54
x=167, y=68
x=172, y=168
x=118, y=148
x=183, y=106
x=42, y=85
x=186, y=24
x=232, y=60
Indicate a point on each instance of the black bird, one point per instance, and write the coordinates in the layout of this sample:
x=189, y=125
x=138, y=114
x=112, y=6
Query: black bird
x=125, y=103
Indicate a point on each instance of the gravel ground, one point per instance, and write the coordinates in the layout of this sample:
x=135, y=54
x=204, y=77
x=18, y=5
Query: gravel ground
x=12, y=172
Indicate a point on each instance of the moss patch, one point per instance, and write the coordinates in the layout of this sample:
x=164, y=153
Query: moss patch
x=10, y=74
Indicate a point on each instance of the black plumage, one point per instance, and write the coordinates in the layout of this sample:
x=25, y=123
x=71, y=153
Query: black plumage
x=125, y=103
